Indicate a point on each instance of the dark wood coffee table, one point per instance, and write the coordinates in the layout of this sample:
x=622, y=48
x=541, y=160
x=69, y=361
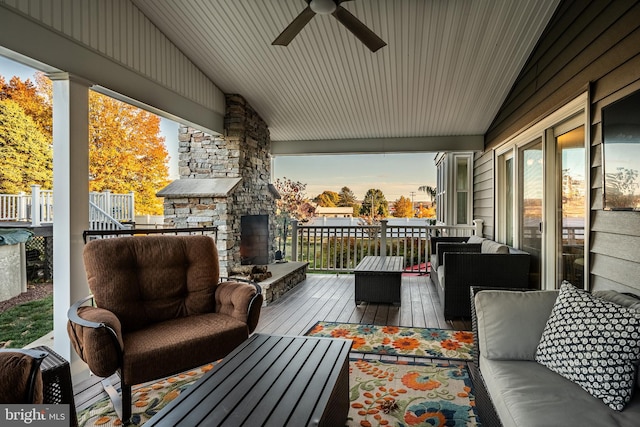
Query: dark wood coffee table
x=269, y=381
x=378, y=279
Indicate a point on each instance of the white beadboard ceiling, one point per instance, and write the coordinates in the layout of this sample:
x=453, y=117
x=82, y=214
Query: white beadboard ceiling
x=447, y=67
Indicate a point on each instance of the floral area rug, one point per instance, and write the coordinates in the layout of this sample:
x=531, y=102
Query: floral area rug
x=400, y=341
x=380, y=392
x=410, y=394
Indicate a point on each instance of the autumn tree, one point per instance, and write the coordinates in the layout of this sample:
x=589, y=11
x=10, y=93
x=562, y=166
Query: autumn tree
x=26, y=154
x=403, y=208
x=327, y=199
x=374, y=204
x=35, y=100
x=126, y=152
x=426, y=212
x=293, y=202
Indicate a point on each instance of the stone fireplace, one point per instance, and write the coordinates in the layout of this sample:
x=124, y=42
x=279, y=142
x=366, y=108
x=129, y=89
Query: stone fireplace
x=224, y=179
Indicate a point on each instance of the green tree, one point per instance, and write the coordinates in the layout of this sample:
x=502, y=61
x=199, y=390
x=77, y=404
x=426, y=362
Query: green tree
x=327, y=199
x=346, y=197
x=374, y=204
x=403, y=208
x=26, y=155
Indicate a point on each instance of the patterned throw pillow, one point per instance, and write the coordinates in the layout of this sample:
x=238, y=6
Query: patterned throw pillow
x=594, y=343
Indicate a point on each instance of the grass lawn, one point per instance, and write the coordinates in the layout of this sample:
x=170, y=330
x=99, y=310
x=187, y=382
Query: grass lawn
x=26, y=323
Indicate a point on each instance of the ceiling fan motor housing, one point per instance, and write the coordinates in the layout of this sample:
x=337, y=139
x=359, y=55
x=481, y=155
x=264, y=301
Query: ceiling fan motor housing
x=323, y=7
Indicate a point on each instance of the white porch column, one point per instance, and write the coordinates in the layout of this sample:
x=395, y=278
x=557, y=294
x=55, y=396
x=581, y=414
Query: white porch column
x=71, y=195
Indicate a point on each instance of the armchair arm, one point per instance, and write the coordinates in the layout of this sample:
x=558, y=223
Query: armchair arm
x=240, y=299
x=21, y=380
x=96, y=335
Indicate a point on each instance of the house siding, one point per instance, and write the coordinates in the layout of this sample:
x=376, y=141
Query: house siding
x=595, y=46
x=483, y=192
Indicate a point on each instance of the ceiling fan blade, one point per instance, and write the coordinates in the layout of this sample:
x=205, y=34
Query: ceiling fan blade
x=295, y=27
x=361, y=31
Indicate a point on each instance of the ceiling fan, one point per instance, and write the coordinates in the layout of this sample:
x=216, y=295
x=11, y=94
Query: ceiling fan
x=326, y=7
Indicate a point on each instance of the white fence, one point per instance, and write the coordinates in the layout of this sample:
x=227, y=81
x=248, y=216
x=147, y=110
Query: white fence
x=106, y=210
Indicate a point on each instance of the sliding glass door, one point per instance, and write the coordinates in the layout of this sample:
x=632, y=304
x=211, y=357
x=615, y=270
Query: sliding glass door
x=571, y=205
x=542, y=196
x=531, y=178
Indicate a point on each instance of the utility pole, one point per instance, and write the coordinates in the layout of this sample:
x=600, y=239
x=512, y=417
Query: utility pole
x=413, y=193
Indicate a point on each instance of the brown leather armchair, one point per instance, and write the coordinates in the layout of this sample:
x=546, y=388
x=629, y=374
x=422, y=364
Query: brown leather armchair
x=158, y=309
x=21, y=378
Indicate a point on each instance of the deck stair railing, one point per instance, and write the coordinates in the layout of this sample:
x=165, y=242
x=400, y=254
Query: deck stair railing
x=338, y=249
x=37, y=208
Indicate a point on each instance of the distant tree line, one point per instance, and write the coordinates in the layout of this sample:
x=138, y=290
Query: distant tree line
x=374, y=207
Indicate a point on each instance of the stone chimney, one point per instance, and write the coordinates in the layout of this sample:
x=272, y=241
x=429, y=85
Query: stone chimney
x=223, y=179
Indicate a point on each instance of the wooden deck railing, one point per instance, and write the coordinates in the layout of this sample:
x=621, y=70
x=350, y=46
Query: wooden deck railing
x=340, y=248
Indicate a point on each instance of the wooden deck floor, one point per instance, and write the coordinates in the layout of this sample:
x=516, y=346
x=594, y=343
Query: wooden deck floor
x=329, y=298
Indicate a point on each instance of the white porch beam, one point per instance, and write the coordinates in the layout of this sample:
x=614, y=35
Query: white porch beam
x=424, y=144
x=71, y=195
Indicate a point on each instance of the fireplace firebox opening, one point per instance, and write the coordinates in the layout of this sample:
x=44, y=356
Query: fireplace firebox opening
x=254, y=239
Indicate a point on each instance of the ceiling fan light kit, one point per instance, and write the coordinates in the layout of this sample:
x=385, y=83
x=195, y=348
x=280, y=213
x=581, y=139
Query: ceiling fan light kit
x=330, y=7
x=323, y=7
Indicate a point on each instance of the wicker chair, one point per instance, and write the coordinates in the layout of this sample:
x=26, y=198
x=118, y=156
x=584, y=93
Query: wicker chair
x=158, y=309
x=20, y=376
x=463, y=265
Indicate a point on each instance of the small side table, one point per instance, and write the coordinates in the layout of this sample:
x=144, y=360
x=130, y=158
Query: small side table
x=56, y=380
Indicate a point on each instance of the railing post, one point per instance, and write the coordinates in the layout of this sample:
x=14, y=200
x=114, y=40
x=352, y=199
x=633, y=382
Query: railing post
x=35, y=205
x=294, y=240
x=21, y=211
x=132, y=212
x=383, y=237
x=478, y=225
x=107, y=202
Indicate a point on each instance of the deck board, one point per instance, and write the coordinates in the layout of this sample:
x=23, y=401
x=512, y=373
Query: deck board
x=329, y=297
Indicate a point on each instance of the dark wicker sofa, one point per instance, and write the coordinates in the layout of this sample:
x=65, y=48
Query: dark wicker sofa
x=457, y=263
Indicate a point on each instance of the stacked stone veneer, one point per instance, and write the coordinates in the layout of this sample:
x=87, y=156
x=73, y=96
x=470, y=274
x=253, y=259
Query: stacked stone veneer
x=243, y=152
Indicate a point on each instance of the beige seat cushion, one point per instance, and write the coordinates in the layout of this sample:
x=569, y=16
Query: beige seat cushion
x=491, y=247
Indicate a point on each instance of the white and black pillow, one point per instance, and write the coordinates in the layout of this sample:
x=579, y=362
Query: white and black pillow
x=594, y=343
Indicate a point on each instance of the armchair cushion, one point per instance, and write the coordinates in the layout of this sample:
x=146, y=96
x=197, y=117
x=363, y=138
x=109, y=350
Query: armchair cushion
x=475, y=239
x=180, y=344
x=491, y=247
x=150, y=279
x=510, y=323
x=96, y=346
